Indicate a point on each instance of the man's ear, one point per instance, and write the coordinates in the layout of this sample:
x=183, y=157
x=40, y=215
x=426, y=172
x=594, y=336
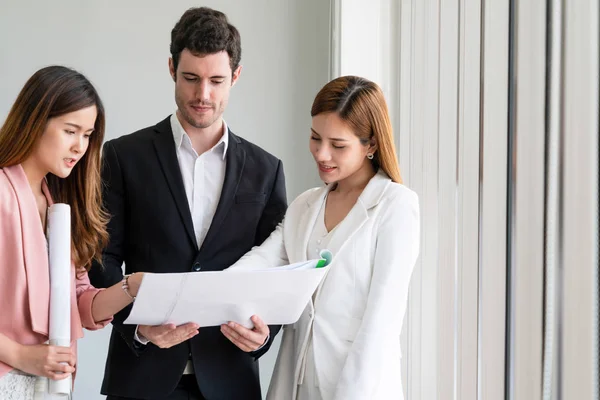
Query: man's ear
x=236, y=75
x=172, y=69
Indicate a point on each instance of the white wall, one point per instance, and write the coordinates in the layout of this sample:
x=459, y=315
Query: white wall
x=123, y=47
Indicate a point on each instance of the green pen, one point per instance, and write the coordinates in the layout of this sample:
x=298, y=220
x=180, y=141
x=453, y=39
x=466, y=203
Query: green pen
x=325, y=260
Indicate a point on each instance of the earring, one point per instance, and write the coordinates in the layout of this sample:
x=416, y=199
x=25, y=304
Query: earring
x=370, y=156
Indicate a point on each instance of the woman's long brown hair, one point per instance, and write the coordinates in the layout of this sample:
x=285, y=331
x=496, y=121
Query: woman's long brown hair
x=51, y=92
x=361, y=104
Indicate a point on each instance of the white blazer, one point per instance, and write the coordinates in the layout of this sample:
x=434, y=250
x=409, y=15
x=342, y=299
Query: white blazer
x=357, y=312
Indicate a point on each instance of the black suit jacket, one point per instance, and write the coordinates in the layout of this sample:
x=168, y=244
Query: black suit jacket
x=151, y=230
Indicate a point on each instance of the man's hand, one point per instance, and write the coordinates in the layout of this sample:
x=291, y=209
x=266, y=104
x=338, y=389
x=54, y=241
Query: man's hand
x=247, y=339
x=168, y=335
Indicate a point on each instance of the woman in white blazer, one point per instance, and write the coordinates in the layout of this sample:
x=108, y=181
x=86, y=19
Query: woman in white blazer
x=346, y=344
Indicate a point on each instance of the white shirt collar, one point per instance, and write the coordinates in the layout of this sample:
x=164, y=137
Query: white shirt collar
x=180, y=136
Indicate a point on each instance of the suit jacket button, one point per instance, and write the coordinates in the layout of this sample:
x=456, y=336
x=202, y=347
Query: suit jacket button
x=196, y=267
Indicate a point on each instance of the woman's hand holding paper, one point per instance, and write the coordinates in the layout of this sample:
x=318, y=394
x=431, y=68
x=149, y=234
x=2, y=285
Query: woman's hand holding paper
x=246, y=339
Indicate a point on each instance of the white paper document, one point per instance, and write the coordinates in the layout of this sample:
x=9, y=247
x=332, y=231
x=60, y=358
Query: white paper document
x=277, y=295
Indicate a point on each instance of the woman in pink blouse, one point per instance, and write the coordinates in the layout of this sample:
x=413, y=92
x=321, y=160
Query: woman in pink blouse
x=50, y=152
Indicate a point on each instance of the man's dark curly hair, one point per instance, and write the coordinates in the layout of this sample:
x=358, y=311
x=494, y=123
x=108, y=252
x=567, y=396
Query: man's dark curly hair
x=204, y=31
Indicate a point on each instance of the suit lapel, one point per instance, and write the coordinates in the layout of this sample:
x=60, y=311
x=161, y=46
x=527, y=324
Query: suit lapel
x=343, y=233
x=307, y=222
x=348, y=227
x=356, y=218
x=167, y=156
x=235, y=158
x=358, y=215
x=35, y=252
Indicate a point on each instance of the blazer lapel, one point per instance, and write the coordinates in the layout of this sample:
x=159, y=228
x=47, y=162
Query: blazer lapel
x=348, y=227
x=235, y=159
x=356, y=218
x=358, y=215
x=167, y=156
x=34, y=250
x=307, y=222
x=343, y=233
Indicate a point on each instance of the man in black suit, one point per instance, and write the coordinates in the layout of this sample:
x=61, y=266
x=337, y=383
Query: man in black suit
x=188, y=195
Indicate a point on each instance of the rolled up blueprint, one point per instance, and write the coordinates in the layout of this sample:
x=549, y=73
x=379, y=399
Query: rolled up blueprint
x=59, y=258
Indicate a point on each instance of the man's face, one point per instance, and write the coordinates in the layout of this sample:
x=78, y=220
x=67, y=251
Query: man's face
x=202, y=85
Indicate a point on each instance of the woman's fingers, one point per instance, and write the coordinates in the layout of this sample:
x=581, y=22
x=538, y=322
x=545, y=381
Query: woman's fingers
x=57, y=376
x=64, y=358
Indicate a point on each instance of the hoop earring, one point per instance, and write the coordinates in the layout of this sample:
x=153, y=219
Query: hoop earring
x=370, y=156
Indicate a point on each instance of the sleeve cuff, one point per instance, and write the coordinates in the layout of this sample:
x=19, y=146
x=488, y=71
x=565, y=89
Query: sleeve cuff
x=139, y=338
x=84, y=304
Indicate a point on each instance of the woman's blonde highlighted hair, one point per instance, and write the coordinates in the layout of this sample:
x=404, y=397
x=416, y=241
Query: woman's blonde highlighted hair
x=361, y=104
x=51, y=92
